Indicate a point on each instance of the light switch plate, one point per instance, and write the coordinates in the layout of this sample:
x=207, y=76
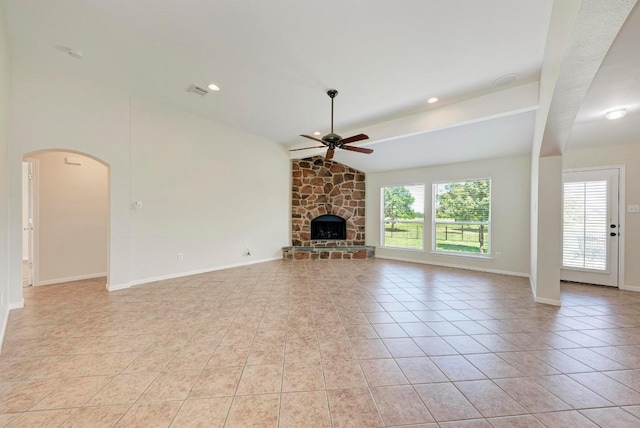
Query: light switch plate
x=633, y=208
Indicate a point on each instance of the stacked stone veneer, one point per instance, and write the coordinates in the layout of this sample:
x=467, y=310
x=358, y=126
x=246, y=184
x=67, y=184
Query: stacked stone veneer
x=323, y=187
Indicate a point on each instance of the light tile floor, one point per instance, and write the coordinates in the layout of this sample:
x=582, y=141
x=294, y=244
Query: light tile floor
x=316, y=344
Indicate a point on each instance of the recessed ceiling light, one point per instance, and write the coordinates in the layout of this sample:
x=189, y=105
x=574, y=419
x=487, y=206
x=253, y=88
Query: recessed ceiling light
x=316, y=133
x=616, y=114
x=432, y=100
x=213, y=87
x=505, y=80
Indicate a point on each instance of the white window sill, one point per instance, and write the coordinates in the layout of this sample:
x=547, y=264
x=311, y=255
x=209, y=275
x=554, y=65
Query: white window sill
x=468, y=256
x=413, y=250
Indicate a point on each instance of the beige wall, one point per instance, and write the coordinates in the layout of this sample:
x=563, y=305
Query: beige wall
x=629, y=156
x=6, y=301
x=510, y=212
x=5, y=298
x=207, y=190
x=72, y=203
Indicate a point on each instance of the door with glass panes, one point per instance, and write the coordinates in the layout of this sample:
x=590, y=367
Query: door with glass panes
x=590, y=226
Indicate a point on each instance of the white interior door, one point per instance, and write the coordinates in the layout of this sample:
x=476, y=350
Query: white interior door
x=590, y=226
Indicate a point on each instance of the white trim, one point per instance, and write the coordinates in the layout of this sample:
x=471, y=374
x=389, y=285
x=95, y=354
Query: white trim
x=16, y=305
x=630, y=288
x=593, y=168
x=413, y=250
x=116, y=287
x=479, y=256
x=71, y=278
x=5, y=322
x=3, y=328
x=189, y=273
x=622, y=209
x=450, y=265
x=542, y=300
x=546, y=301
x=531, y=285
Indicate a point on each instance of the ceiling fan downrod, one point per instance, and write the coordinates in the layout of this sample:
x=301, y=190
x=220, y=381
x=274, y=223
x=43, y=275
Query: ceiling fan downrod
x=332, y=94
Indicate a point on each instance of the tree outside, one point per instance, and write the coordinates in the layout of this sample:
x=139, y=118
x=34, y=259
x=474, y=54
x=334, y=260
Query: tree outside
x=403, y=216
x=465, y=201
x=398, y=204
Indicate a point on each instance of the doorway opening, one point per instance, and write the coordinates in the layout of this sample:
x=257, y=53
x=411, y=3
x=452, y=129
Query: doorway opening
x=27, y=223
x=592, y=226
x=65, y=217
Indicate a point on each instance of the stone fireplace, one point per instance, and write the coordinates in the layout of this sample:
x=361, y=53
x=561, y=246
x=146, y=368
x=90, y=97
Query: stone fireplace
x=327, y=211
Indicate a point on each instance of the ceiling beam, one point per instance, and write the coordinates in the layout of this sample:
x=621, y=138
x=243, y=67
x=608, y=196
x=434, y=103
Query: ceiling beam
x=511, y=101
x=574, y=57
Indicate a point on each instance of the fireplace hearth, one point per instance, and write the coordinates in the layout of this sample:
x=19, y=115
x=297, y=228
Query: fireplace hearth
x=328, y=227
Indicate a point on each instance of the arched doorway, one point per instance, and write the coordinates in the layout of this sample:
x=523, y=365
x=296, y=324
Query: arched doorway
x=70, y=217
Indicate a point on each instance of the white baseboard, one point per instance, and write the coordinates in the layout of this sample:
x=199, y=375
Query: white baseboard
x=629, y=287
x=17, y=305
x=3, y=327
x=69, y=279
x=547, y=301
x=188, y=273
x=116, y=287
x=5, y=321
x=451, y=265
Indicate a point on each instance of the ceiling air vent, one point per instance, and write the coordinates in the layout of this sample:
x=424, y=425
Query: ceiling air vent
x=198, y=90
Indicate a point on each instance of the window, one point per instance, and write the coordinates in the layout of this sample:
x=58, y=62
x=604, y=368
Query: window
x=403, y=217
x=584, y=224
x=462, y=217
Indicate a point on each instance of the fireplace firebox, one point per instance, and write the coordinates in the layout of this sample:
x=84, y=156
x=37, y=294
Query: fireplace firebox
x=328, y=227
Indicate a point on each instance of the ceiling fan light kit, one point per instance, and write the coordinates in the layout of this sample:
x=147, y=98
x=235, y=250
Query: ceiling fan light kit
x=334, y=141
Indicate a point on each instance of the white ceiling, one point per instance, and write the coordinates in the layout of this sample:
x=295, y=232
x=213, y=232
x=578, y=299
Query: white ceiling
x=617, y=85
x=486, y=139
x=274, y=61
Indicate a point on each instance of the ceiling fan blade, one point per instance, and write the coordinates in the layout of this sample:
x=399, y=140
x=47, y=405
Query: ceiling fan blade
x=353, y=139
x=314, y=139
x=329, y=155
x=307, y=148
x=358, y=149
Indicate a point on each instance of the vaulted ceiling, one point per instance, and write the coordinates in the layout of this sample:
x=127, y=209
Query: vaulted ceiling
x=275, y=60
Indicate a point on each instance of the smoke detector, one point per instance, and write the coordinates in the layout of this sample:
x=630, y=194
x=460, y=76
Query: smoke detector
x=199, y=90
x=75, y=53
x=505, y=80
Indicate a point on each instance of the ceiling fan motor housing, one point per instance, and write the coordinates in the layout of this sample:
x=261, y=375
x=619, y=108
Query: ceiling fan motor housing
x=331, y=138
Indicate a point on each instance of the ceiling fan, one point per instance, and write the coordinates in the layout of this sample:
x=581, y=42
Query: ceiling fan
x=334, y=141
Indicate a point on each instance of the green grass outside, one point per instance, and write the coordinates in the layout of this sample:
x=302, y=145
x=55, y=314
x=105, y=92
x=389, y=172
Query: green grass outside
x=404, y=235
x=460, y=238
x=448, y=237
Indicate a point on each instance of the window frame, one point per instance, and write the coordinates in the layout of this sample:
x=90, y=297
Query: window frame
x=423, y=249
x=489, y=223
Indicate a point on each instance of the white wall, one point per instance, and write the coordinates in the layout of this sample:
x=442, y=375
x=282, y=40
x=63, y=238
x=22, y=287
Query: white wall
x=628, y=155
x=4, y=178
x=206, y=189
x=510, y=211
x=73, y=218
